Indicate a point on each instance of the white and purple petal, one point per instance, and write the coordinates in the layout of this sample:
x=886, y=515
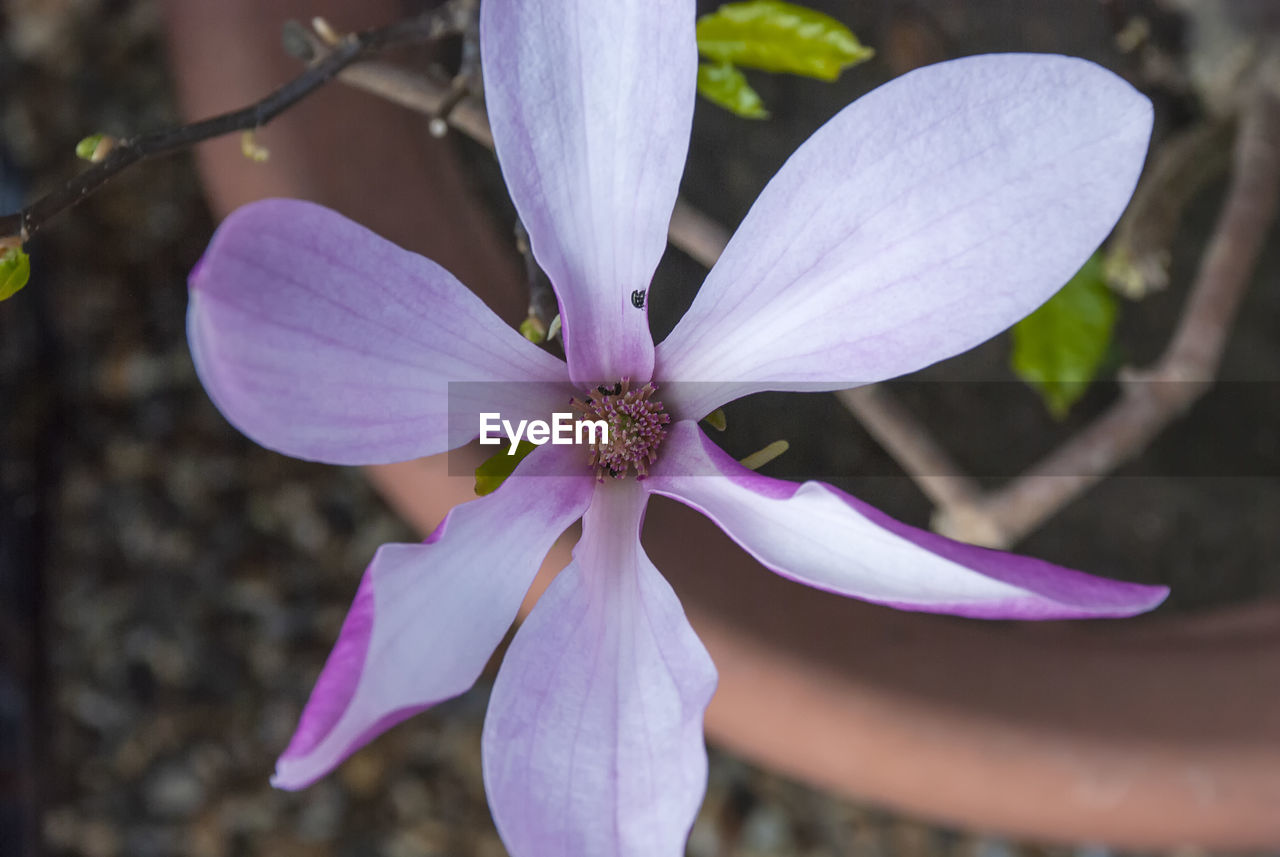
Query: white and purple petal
x=593, y=741
x=924, y=218
x=591, y=105
x=820, y=536
x=321, y=340
x=427, y=617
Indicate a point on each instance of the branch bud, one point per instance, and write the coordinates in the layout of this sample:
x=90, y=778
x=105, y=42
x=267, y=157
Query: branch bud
x=95, y=147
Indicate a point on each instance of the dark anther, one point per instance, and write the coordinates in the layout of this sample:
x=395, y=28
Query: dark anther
x=637, y=298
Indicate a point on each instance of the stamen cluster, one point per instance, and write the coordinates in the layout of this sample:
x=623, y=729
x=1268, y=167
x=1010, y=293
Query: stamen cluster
x=636, y=428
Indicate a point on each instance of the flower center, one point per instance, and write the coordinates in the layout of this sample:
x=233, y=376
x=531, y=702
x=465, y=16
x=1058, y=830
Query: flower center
x=636, y=428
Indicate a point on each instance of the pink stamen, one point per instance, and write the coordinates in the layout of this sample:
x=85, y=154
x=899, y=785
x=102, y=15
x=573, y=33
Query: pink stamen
x=636, y=428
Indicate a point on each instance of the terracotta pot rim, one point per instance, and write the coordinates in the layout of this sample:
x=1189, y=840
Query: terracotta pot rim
x=1155, y=732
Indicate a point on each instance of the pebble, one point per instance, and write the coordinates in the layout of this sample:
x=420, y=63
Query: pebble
x=173, y=790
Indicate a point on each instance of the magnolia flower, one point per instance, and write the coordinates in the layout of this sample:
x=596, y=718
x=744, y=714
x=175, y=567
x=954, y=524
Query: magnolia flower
x=923, y=219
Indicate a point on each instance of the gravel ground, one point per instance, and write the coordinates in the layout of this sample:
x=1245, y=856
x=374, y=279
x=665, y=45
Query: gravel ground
x=170, y=590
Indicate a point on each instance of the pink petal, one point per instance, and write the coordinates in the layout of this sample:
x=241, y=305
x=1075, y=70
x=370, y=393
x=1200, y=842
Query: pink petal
x=591, y=105
x=926, y=217
x=321, y=340
x=822, y=537
x=427, y=617
x=593, y=741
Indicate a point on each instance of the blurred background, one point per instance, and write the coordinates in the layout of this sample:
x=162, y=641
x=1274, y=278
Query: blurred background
x=169, y=591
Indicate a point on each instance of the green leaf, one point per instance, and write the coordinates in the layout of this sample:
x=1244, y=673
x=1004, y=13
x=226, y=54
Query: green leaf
x=772, y=35
x=1059, y=347
x=728, y=87
x=495, y=470
x=15, y=271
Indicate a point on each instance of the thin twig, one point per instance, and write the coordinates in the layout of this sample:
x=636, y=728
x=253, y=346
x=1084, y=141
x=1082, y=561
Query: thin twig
x=1139, y=253
x=696, y=234
x=1154, y=397
x=542, y=297
x=420, y=93
x=438, y=23
x=911, y=445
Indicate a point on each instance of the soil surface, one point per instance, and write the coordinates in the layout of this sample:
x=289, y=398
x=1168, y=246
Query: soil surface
x=169, y=590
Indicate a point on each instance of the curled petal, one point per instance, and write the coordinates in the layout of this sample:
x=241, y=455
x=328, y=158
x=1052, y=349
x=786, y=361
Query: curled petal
x=591, y=105
x=427, y=617
x=924, y=218
x=822, y=537
x=320, y=340
x=593, y=741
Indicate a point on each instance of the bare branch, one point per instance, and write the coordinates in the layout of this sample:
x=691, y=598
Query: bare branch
x=440, y=22
x=911, y=445
x=542, y=297
x=696, y=234
x=418, y=92
x=1154, y=397
x=1138, y=257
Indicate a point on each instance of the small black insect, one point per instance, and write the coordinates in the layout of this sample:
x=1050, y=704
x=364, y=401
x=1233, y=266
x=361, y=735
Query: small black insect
x=637, y=298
